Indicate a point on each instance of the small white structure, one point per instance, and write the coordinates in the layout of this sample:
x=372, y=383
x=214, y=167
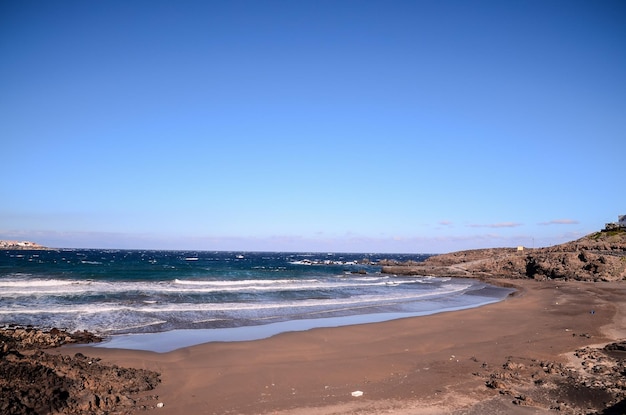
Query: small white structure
x=616, y=226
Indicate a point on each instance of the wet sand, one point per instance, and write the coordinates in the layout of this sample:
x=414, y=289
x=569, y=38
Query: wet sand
x=433, y=364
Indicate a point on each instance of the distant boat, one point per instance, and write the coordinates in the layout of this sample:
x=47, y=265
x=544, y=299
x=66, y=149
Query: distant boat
x=191, y=259
x=240, y=257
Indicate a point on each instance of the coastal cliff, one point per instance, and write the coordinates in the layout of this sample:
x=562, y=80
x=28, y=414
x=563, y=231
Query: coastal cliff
x=600, y=256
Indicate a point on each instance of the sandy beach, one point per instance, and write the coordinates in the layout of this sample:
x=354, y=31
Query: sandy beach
x=485, y=360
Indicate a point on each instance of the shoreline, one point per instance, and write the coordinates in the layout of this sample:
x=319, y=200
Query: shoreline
x=433, y=364
x=169, y=341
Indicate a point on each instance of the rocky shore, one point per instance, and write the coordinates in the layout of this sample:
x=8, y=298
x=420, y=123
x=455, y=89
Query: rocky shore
x=33, y=381
x=594, y=378
x=600, y=256
x=592, y=382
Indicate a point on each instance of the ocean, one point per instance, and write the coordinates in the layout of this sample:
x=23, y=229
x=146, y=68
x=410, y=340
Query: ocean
x=117, y=293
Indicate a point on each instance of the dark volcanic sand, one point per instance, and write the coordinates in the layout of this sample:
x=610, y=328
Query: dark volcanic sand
x=538, y=351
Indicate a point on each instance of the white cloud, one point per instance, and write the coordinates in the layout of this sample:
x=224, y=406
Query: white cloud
x=560, y=222
x=496, y=225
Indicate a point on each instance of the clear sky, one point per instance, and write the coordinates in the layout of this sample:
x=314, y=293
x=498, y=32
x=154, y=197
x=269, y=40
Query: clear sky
x=360, y=126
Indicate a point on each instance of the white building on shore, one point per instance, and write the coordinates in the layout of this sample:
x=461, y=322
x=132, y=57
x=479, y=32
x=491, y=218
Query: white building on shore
x=19, y=245
x=615, y=226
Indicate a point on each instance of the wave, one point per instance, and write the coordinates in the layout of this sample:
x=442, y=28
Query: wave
x=138, y=325
x=150, y=291
x=222, y=283
x=34, y=283
x=322, y=262
x=59, y=287
x=168, y=307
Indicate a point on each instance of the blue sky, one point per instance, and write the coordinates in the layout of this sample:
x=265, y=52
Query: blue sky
x=362, y=126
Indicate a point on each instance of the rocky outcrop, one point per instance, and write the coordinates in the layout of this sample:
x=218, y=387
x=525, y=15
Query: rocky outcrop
x=597, y=257
x=591, y=382
x=42, y=383
x=29, y=338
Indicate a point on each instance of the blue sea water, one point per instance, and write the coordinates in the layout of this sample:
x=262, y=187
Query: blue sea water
x=114, y=292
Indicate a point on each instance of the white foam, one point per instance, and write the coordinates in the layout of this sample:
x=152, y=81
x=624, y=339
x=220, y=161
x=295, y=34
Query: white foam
x=150, y=306
x=139, y=325
x=13, y=288
x=34, y=283
x=226, y=283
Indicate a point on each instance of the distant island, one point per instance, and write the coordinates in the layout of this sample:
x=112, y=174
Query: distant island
x=20, y=245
